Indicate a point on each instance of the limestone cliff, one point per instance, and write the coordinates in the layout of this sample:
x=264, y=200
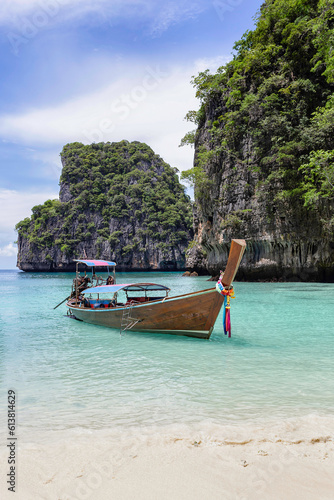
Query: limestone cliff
x=264, y=149
x=117, y=201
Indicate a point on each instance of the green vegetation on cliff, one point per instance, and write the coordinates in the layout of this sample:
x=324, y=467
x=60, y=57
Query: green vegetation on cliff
x=273, y=106
x=115, y=198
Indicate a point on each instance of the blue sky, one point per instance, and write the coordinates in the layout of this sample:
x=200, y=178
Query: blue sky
x=99, y=70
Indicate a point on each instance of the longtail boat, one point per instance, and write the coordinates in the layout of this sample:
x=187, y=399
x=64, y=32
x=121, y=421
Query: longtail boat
x=147, y=307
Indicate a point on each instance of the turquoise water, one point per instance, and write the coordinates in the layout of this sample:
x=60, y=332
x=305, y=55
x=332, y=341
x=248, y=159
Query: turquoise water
x=279, y=362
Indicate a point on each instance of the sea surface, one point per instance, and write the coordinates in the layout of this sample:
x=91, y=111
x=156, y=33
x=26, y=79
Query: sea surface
x=278, y=364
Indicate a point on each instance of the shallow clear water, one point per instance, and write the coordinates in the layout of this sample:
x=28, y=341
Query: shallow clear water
x=279, y=362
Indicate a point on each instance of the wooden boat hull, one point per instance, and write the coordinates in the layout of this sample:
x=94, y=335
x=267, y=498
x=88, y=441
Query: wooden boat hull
x=192, y=315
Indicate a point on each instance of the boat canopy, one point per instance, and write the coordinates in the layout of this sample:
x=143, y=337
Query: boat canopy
x=97, y=263
x=132, y=287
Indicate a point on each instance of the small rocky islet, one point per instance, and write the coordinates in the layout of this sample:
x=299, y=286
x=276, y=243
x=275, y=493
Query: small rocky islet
x=117, y=201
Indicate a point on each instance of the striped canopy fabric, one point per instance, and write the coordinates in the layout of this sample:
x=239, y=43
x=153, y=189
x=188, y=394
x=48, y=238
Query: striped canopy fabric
x=97, y=263
x=104, y=289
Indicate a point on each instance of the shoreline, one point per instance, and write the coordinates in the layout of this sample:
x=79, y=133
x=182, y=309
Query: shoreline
x=213, y=278
x=289, y=459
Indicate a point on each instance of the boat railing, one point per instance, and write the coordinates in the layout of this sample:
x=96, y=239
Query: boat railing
x=128, y=321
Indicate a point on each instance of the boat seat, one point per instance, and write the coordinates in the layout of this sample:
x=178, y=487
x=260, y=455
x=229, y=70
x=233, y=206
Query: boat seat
x=137, y=299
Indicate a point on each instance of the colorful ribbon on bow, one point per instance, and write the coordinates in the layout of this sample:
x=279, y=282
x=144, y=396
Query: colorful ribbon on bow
x=227, y=316
x=228, y=294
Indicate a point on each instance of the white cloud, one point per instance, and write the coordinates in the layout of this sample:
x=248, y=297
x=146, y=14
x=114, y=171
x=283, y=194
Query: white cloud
x=144, y=103
x=17, y=205
x=51, y=163
x=211, y=63
x=159, y=15
x=8, y=251
x=148, y=105
x=13, y=10
x=170, y=13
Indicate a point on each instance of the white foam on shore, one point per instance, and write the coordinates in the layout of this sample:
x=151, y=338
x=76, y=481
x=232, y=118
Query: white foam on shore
x=303, y=429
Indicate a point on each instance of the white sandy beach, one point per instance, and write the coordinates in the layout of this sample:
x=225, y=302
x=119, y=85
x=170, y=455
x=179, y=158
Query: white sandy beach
x=288, y=460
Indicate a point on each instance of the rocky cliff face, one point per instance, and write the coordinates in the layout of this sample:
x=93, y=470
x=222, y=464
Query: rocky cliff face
x=264, y=151
x=117, y=201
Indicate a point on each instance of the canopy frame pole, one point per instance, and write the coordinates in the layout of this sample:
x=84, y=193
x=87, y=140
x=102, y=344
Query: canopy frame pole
x=76, y=281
